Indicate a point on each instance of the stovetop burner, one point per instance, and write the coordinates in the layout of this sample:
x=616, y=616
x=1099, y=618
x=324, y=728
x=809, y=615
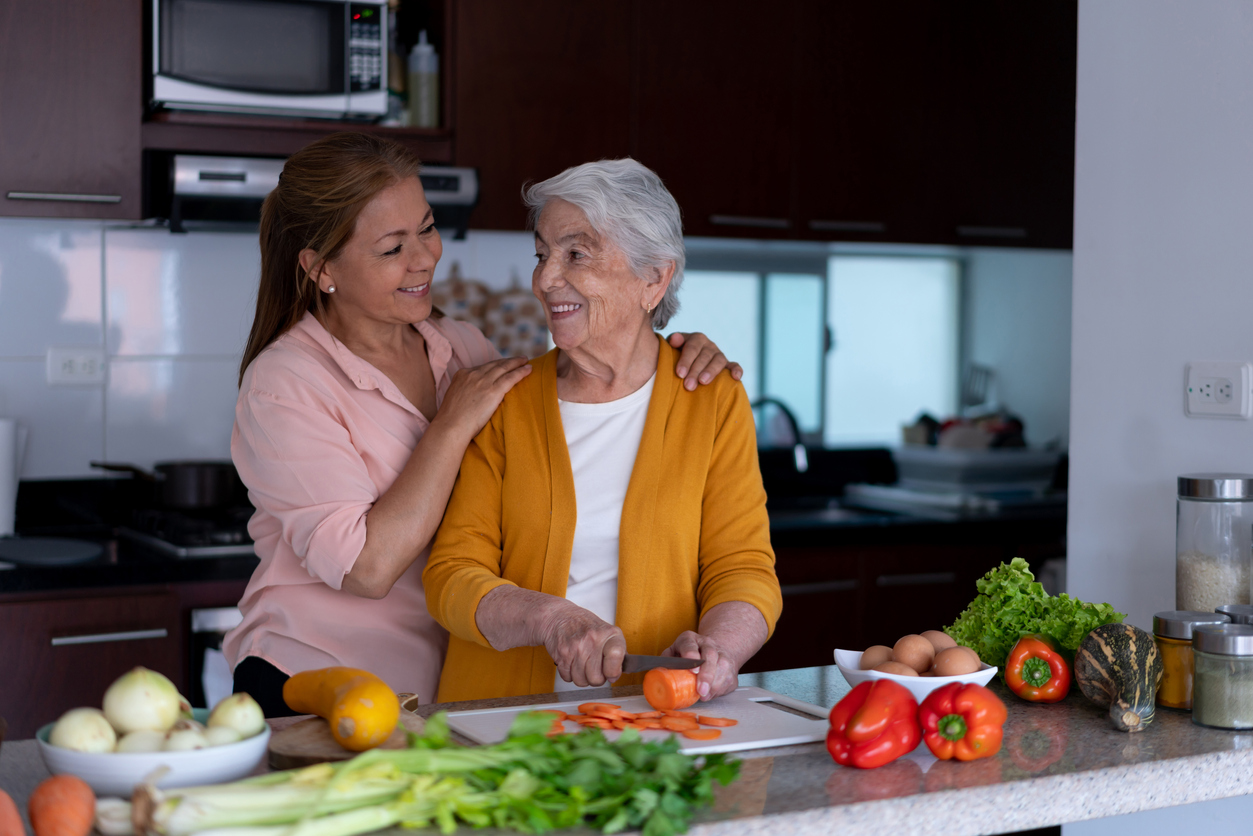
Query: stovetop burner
x=215, y=533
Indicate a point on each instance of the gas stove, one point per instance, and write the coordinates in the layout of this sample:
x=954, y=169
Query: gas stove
x=192, y=534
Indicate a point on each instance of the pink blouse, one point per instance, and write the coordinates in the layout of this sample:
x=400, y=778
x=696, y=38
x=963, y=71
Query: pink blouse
x=319, y=435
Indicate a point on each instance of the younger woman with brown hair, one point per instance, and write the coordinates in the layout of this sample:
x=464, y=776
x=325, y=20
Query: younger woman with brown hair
x=357, y=402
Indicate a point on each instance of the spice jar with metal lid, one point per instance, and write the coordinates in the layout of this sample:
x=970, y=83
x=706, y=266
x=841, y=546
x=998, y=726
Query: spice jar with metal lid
x=1222, y=695
x=1213, y=540
x=1238, y=613
x=1173, y=632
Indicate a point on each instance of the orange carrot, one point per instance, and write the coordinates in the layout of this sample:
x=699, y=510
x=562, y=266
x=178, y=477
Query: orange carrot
x=63, y=805
x=670, y=689
x=701, y=734
x=648, y=724
x=648, y=715
x=679, y=723
x=669, y=713
x=10, y=818
x=620, y=724
x=716, y=721
x=590, y=707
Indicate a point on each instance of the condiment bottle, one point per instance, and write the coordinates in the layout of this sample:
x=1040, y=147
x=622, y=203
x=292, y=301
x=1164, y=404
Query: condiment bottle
x=1213, y=540
x=1223, y=693
x=1238, y=613
x=423, y=84
x=1173, y=631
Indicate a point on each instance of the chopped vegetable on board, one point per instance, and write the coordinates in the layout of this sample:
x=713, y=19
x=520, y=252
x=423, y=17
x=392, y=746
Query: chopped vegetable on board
x=873, y=725
x=1011, y=604
x=965, y=721
x=1037, y=671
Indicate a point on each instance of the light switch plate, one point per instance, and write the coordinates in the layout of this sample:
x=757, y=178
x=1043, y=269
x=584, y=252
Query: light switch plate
x=76, y=367
x=1218, y=390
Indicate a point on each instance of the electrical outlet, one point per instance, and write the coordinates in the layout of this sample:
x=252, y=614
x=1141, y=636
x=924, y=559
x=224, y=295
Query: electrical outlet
x=75, y=367
x=1218, y=390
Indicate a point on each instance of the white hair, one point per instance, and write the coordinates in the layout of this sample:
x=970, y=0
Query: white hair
x=627, y=203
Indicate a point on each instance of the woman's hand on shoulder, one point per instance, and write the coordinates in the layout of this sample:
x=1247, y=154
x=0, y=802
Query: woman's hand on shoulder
x=718, y=673
x=475, y=393
x=587, y=650
x=700, y=360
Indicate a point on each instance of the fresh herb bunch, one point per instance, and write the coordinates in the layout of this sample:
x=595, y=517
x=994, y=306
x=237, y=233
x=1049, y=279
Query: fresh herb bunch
x=530, y=783
x=1011, y=604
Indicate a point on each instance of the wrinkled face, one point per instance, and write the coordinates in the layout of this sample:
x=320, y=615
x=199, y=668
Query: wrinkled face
x=584, y=282
x=383, y=273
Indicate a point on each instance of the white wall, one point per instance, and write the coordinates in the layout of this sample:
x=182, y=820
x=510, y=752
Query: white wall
x=1162, y=275
x=1018, y=323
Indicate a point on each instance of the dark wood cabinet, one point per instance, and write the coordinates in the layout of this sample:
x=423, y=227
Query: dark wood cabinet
x=70, y=108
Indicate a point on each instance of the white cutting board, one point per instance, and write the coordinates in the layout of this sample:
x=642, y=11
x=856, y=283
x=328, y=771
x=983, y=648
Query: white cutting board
x=764, y=721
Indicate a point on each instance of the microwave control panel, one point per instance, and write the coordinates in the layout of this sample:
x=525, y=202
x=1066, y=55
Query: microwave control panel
x=366, y=37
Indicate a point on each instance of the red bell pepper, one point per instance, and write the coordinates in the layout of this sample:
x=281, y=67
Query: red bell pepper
x=874, y=724
x=1037, y=671
x=962, y=720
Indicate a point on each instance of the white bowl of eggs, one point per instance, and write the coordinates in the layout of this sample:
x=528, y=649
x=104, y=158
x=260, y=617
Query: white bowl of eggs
x=920, y=662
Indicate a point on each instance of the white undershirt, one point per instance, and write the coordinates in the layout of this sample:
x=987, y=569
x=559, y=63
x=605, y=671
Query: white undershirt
x=603, y=439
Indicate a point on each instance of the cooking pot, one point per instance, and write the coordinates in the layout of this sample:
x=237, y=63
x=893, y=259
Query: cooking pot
x=187, y=485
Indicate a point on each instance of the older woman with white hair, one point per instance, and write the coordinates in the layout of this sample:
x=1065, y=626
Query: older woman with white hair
x=599, y=512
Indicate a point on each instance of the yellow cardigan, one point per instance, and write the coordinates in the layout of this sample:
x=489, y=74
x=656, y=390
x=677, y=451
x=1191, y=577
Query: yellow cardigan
x=694, y=527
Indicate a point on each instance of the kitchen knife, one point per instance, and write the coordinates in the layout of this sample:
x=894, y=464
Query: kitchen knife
x=635, y=664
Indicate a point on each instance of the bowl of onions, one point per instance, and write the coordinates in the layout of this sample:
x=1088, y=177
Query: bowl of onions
x=147, y=732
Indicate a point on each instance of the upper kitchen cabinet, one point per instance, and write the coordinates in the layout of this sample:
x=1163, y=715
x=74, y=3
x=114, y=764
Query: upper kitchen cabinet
x=714, y=115
x=540, y=86
x=70, y=108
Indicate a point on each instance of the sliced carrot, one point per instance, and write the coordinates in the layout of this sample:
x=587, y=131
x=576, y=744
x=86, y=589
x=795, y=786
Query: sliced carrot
x=678, y=723
x=648, y=724
x=716, y=721
x=637, y=726
x=619, y=724
x=611, y=715
x=669, y=713
x=590, y=707
x=670, y=689
x=648, y=715
x=701, y=734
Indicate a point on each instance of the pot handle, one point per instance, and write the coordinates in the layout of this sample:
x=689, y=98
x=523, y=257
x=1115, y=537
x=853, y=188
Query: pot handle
x=137, y=472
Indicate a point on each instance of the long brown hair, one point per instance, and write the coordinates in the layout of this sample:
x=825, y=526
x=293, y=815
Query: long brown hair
x=323, y=188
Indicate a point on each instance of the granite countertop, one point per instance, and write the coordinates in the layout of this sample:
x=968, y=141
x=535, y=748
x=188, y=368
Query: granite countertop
x=1059, y=763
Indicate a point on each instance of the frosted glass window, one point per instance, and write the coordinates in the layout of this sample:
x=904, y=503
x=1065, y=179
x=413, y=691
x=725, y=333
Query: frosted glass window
x=794, y=338
x=726, y=307
x=895, y=326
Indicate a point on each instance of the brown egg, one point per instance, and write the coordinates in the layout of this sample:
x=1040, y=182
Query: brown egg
x=875, y=656
x=915, y=651
x=955, y=661
x=896, y=668
x=939, y=640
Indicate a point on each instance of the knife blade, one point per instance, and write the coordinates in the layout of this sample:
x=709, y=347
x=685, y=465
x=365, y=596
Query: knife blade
x=634, y=664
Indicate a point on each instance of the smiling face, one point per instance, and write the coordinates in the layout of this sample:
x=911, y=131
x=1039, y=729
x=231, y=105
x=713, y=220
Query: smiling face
x=382, y=275
x=587, y=287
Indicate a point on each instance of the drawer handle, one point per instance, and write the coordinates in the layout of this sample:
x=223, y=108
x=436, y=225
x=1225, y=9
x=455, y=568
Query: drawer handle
x=992, y=231
x=919, y=579
x=848, y=226
x=817, y=588
x=101, y=638
x=744, y=220
x=67, y=197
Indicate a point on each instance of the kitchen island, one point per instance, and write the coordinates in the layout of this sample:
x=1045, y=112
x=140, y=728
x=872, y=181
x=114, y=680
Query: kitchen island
x=1059, y=763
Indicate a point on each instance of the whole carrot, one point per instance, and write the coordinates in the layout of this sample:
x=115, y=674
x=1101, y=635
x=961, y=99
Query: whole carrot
x=63, y=805
x=10, y=819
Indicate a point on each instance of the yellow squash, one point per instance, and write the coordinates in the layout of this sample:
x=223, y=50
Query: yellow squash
x=358, y=706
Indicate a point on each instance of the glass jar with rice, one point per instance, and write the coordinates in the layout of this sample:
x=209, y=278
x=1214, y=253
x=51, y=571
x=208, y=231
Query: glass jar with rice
x=1213, y=540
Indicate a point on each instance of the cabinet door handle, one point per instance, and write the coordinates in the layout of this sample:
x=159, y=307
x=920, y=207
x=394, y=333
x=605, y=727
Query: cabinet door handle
x=848, y=226
x=102, y=638
x=818, y=588
x=991, y=232
x=744, y=220
x=66, y=197
x=918, y=579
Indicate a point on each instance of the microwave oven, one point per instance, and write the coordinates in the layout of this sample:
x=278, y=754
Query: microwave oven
x=313, y=58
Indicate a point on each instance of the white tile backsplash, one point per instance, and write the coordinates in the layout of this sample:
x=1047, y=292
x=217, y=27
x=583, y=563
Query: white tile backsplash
x=170, y=408
x=49, y=286
x=65, y=425
x=171, y=295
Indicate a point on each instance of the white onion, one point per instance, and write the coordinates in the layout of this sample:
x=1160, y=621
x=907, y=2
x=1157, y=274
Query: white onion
x=144, y=740
x=221, y=735
x=142, y=699
x=83, y=730
x=184, y=740
x=239, y=712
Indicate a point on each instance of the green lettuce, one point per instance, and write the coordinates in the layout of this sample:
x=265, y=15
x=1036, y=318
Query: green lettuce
x=1011, y=604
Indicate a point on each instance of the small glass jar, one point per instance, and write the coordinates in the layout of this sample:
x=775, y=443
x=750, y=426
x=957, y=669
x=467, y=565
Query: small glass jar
x=1173, y=632
x=1238, y=613
x=1213, y=540
x=1222, y=696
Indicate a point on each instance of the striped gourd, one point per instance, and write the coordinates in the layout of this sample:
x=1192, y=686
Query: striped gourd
x=1117, y=665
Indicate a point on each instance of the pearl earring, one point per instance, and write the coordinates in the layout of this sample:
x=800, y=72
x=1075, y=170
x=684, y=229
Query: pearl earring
x=331, y=289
